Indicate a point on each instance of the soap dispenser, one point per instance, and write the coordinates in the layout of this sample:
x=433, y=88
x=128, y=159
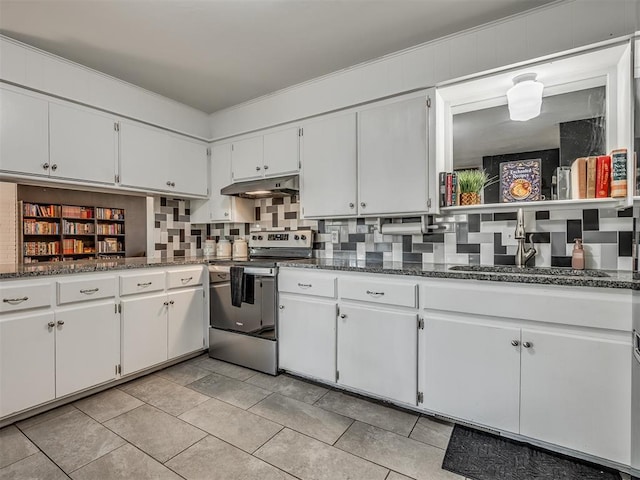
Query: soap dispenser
x=577, y=257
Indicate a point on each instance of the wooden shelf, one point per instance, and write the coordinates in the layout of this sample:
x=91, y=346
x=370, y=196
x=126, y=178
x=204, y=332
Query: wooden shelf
x=41, y=218
x=117, y=220
x=41, y=234
x=111, y=234
x=541, y=205
x=78, y=218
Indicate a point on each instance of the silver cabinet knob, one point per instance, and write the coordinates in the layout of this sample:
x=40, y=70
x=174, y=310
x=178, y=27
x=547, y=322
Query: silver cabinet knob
x=352, y=205
x=527, y=344
x=54, y=167
x=362, y=204
x=168, y=183
x=45, y=166
x=257, y=169
x=266, y=167
x=515, y=343
x=173, y=184
x=281, y=307
x=60, y=322
x=226, y=214
x=343, y=315
x=166, y=304
x=51, y=324
x=171, y=302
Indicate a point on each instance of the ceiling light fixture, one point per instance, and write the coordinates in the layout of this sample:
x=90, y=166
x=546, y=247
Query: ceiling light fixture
x=525, y=97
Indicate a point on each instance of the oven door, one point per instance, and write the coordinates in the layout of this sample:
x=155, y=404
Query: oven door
x=248, y=318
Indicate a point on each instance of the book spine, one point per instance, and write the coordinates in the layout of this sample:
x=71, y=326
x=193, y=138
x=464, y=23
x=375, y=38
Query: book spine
x=449, y=187
x=603, y=175
x=443, y=189
x=454, y=189
x=619, y=173
x=591, y=177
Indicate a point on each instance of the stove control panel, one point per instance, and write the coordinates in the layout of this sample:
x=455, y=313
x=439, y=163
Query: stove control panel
x=282, y=239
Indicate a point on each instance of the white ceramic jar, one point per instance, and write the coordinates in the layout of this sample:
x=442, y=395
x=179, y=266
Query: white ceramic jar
x=223, y=249
x=209, y=248
x=240, y=249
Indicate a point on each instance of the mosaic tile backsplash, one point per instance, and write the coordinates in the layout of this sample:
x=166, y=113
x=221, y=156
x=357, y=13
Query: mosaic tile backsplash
x=608, y=235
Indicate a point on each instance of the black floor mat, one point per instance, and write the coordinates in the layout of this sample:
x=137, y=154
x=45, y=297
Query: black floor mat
x=483, y=456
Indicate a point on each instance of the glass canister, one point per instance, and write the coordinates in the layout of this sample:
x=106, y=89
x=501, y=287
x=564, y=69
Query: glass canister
x=223, y=249
x=563, y=183
x=209, y=248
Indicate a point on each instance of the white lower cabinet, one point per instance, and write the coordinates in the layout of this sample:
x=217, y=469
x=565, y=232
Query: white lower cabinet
x=307, y=336
x=471, y=370
x=27, y=368
x=576, y=392
x=378, y=352
x=144, y=331
x=87, y=346
x=184, y=321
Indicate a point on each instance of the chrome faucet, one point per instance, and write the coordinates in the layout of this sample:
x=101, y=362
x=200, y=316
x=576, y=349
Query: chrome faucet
x=523, y=255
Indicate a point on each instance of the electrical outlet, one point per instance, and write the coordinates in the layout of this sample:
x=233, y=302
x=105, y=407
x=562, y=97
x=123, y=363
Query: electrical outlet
x=335, y=237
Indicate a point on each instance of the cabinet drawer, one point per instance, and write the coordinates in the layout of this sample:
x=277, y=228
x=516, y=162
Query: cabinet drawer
x=142, y=283
x=378, y=291
x=84, y=289
x=21, y=297
x=185, y=277
x=307, y=283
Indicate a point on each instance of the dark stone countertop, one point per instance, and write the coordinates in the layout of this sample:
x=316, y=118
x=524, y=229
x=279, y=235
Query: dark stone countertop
x=615, y=279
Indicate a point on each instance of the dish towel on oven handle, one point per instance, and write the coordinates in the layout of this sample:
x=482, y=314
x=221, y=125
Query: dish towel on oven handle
x=237, y=285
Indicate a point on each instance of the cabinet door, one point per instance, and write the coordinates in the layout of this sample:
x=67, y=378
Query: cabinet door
x=187, y=167
x=328, y=150
x=87, y=346
x=24, y=133
x=144, y=157
x=281, y=155
x=144, y=332
x=470, y=370
x=307, y=337
x=220, y=178
x=576, y=393
x=83, y=144
x=392, y=158
x=246, y=159
x=27, y=375
x=185, y=321
x=378, y=352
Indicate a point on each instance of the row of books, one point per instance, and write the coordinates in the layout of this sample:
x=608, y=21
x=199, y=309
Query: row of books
x=449, y=195
x=76, y=228
x=41, y=248
x=109, y=213
x=34, y=227
x=110, y=229
x=34, y=210
x=73, y=245
x=109, y=245
x=600, y=177
x=77, y=212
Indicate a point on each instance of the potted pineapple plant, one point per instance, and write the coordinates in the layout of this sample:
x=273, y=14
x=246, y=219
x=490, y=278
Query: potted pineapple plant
x=470, y=184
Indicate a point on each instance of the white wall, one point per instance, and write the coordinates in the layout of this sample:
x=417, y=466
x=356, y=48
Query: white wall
x=558, y=27
x=39, y=70
x=8, y=221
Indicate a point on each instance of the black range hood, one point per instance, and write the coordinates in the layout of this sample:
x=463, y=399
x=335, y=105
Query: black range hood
x=264, y=188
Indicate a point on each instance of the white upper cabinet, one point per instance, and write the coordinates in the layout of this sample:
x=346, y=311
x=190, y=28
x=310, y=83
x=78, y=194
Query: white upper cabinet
x=392, y=158
x=270, y=155
x=187, y=166
x=144, y=157
x=24, y=133
x=152, y=159
x=281, y=152
x=246, y=158
x=83, y=144
x=328, y=152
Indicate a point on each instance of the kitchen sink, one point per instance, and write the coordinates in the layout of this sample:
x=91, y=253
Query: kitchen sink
x=553, y=271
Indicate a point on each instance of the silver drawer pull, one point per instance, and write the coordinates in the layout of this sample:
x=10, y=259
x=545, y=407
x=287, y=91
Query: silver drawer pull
x=304, y=285
x=144, y=285
x=186, y=280
x=240, y=324
x=90, y=291
x=15, y=301
x=375, y=294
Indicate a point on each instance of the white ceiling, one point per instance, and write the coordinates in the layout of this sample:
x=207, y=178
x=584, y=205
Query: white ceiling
x=212, y=54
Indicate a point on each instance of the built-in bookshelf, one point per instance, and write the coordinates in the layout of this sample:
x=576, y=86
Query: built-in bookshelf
x=53, y=233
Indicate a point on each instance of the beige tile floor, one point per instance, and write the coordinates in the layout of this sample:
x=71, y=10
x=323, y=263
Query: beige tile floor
x=206, y=419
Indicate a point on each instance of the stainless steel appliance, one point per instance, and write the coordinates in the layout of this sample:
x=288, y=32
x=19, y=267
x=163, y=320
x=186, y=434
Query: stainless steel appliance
x=247, y=335
x=635, y=389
